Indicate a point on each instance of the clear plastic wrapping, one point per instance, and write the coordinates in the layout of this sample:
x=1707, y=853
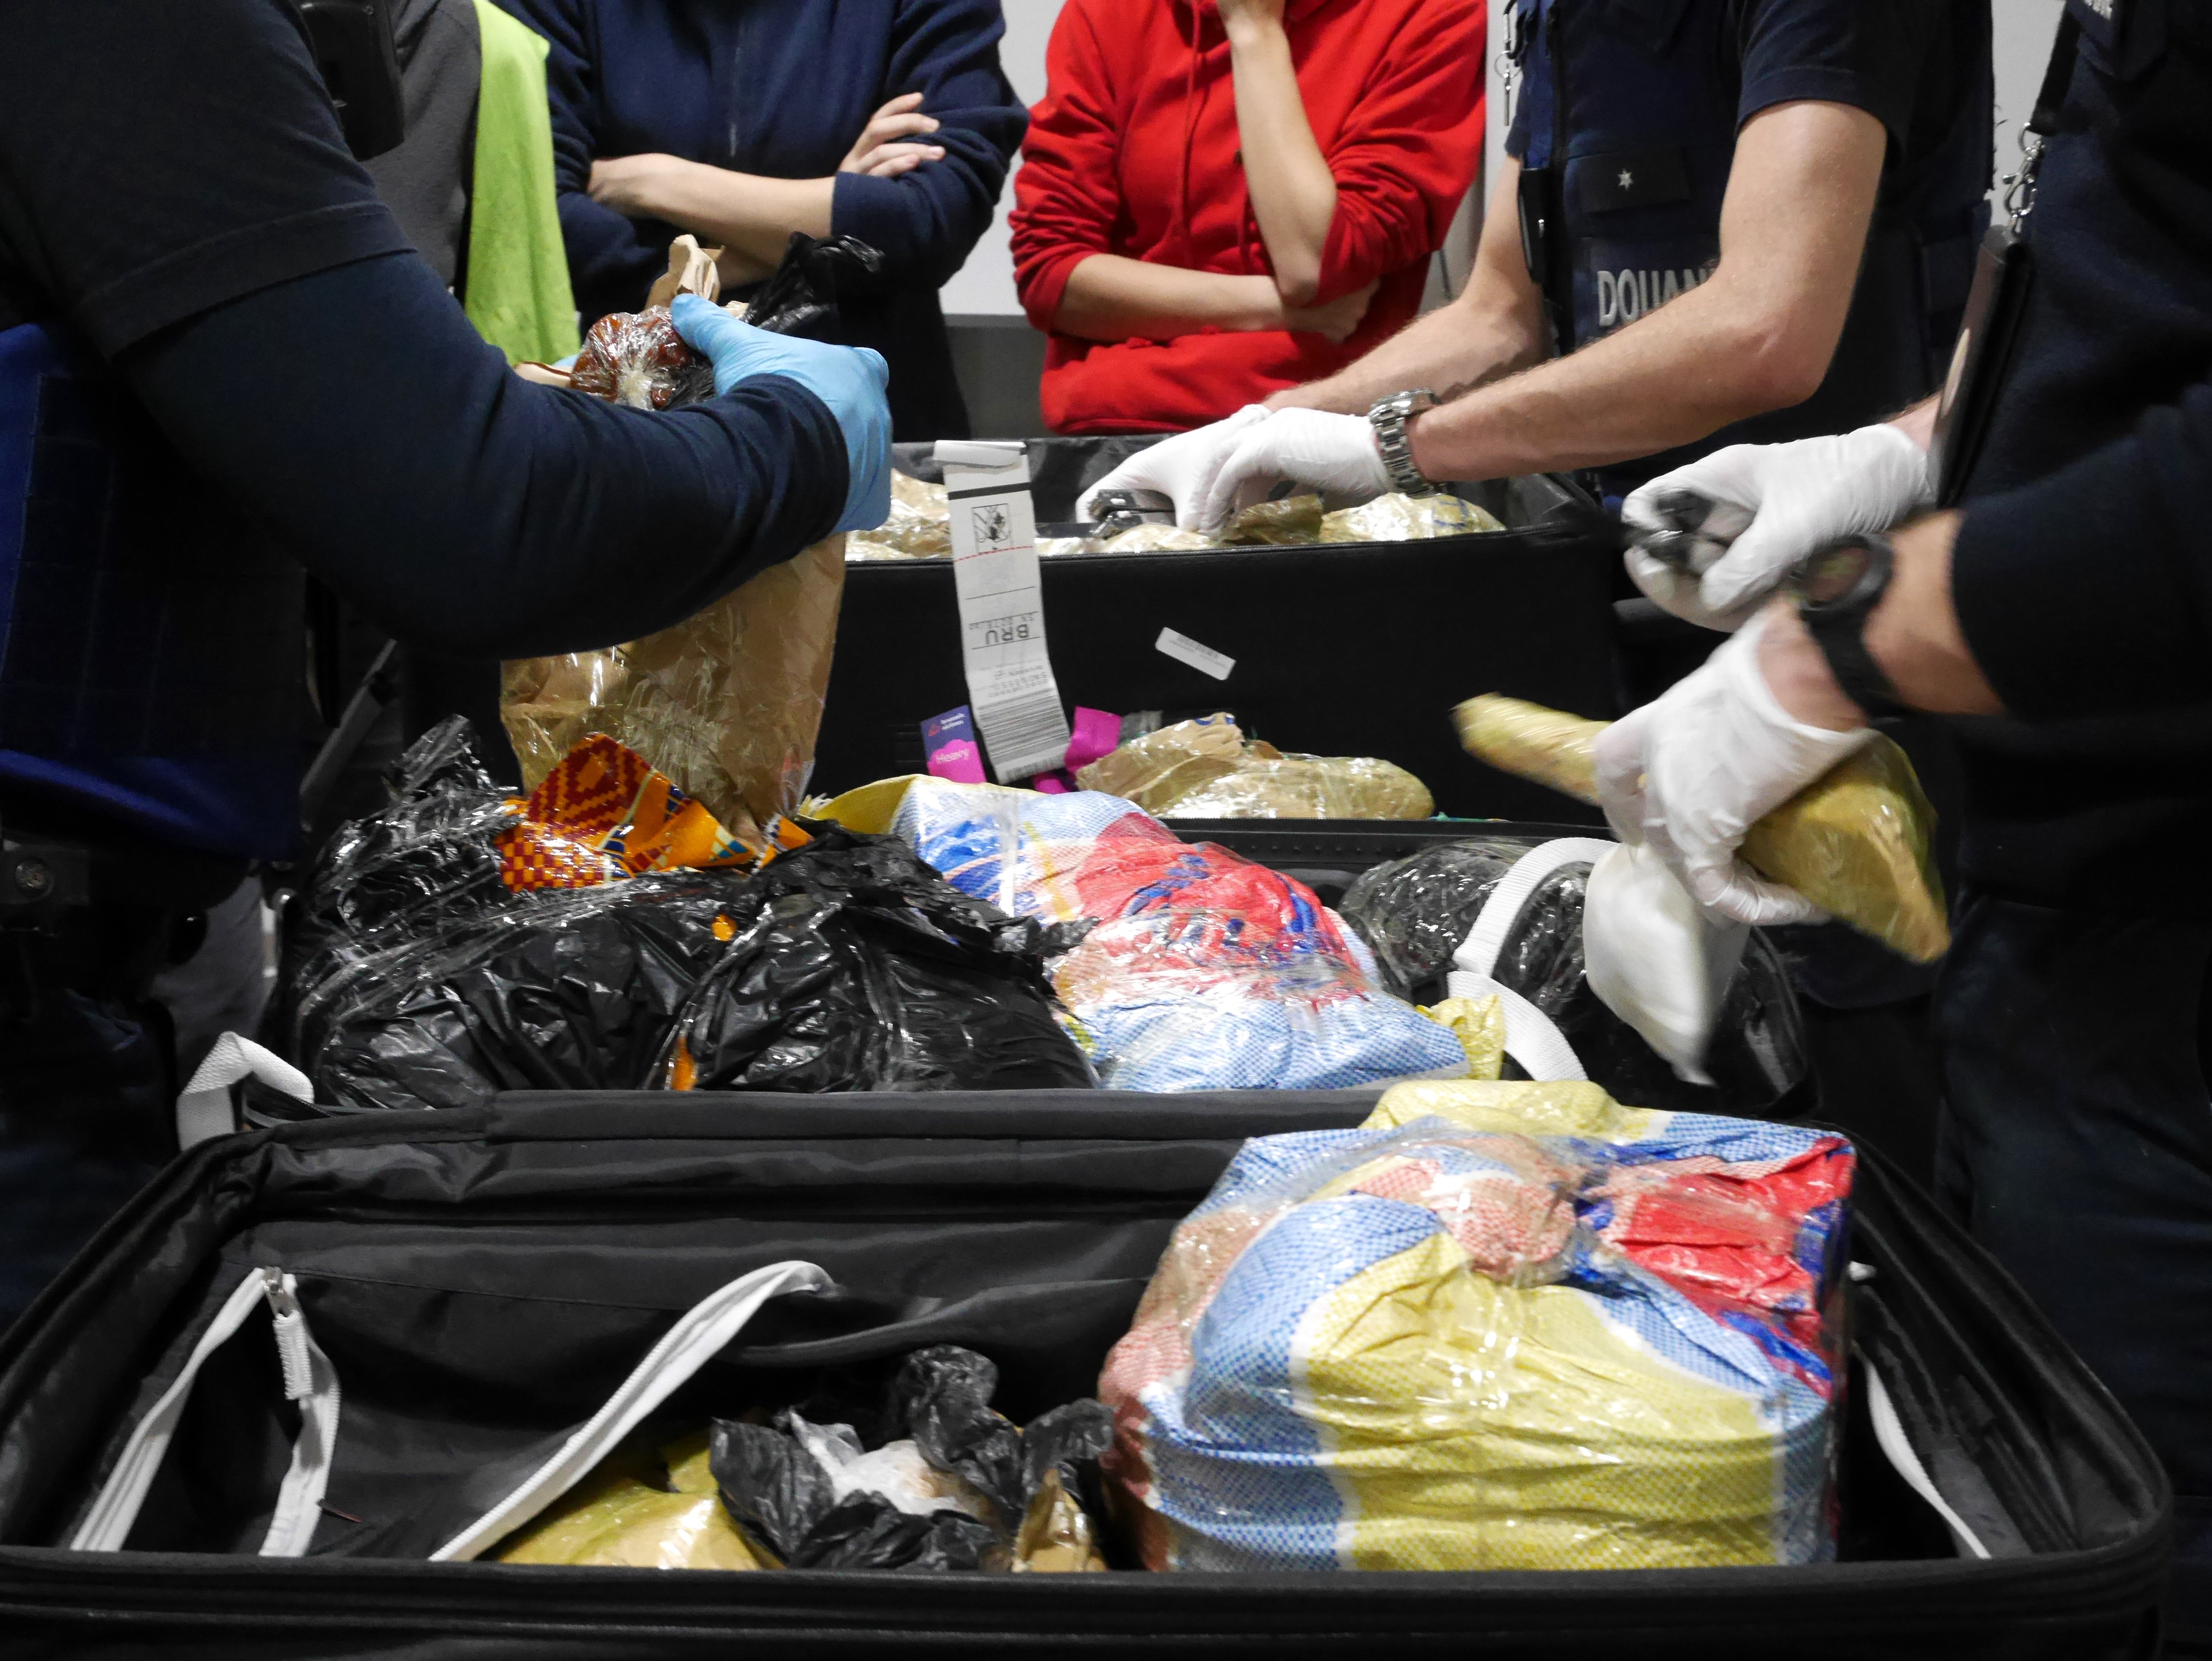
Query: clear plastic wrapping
x=1186, y=968
x=1436, y=1343
x=638, y=359
x=1415, y=912
x=1858, y=842
x=920, y=527
x=1206, y=769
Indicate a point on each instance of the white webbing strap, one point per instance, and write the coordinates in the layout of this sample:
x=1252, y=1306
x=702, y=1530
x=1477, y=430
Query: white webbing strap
x=1531, y=1039
x=204, y=1108
x=309, y=1380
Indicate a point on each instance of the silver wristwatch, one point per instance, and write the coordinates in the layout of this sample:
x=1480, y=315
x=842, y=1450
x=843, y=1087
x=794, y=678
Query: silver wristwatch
x=1389, y=416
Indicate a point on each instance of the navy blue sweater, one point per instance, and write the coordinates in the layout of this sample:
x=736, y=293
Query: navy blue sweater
x=782, y=88
x=2083, y=570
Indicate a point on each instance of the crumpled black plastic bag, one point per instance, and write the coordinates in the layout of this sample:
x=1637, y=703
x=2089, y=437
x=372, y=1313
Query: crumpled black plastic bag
x=856, y=966
x=800, y=296
x=941, y=1398
x=1415, y=912
x=573, y=989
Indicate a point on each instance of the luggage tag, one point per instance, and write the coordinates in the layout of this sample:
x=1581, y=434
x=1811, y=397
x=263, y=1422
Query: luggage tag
x=1997, y=302
x=1010, y=687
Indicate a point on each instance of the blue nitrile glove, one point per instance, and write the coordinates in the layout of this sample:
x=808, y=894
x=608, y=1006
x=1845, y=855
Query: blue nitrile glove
x=850, y=380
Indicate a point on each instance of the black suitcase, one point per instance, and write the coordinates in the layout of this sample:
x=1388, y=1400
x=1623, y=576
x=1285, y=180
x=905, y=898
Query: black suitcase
x=475, y=1275
x=1349, y=649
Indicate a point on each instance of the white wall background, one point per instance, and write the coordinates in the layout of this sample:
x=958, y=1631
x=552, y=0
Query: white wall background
x=985, y=286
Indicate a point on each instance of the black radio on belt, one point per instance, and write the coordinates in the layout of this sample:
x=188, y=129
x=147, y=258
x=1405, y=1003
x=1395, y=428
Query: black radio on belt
x=353, y=47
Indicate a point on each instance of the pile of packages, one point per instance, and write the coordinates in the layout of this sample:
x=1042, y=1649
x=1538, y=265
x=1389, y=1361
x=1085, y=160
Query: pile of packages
x=1498, y=1327
x=940, y=1481
x=1189, y=967
x=608, y=933
x=920, y=526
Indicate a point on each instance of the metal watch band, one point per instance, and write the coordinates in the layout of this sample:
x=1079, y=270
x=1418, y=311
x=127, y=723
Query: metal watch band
x=1389, y=416
x=1838, y=628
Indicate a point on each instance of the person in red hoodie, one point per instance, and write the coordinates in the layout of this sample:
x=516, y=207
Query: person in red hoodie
x=1219, y=199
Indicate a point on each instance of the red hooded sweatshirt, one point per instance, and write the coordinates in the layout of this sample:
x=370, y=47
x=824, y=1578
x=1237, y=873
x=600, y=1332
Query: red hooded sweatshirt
x=1134, y=151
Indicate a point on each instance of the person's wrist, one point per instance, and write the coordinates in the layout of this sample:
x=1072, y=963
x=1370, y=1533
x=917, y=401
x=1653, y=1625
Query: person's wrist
x=1247, y=33
x=1260, y=304
x=1797, y=672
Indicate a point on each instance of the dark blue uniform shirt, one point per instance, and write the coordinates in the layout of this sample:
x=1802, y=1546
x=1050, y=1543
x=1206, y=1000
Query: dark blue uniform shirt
x=782, y=88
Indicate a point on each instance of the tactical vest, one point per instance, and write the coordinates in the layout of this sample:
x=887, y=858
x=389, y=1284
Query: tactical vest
x=151, y=639
x=1630, y=116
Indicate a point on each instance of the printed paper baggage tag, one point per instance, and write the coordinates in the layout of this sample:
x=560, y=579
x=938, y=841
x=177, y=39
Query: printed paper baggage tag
x=994, y=568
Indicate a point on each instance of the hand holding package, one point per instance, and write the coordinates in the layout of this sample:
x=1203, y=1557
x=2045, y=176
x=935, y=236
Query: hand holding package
x=1181, y=468
x=1335, y=455
x=849, y=380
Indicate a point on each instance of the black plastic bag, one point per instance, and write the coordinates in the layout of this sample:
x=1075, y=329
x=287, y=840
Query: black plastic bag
x=781, y=1496
x=800, y=297
x=565, y=989
x=856, y=966
x=1415, y=912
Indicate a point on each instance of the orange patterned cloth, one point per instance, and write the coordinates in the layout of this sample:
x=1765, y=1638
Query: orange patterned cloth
x=601, y=814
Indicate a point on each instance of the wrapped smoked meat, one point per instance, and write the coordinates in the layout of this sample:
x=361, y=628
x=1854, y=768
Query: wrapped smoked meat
x=1206, y=769
x=638, y=1510
x=637, y=358
x=1397, y=518
x=1858, y=842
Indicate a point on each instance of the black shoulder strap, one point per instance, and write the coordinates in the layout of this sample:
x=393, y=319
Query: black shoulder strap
x=2057, y=75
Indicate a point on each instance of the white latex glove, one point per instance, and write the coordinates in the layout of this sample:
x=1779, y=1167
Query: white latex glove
x=1181, y=468
x=1334, y=455
x=1690, y=773
x=1773, y=504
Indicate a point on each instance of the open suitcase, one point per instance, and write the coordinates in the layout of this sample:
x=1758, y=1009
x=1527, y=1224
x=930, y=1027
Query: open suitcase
x=477, y=1279
x=1355, y=648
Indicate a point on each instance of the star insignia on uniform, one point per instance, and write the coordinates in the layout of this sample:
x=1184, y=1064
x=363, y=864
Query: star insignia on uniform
x=1627, y=178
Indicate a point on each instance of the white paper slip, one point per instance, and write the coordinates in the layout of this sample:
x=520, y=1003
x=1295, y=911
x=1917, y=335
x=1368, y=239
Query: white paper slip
x=995, y=571
x=1204, y=658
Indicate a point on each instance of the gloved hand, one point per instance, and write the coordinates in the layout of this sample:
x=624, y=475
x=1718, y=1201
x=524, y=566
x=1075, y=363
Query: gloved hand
x=850, y=380
x=1771, y=505
x=1688, y=774
x=1180, y=468
x=1334, y=455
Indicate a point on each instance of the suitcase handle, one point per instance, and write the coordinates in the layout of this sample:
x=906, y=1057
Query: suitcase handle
x=1531, y=1039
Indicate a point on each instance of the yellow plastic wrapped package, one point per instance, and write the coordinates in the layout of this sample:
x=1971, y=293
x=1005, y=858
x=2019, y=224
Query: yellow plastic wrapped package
x=1207, y=769
x=1857, y=843
x=727, y=703
x=639, y=1511
x=1422, y=1346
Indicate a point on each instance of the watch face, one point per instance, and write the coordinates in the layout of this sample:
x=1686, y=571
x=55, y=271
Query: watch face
x=1832, y=573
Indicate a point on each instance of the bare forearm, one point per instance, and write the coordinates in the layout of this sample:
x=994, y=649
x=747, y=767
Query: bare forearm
x=1109, y=297
x=1456, y=346
x=1293, y=192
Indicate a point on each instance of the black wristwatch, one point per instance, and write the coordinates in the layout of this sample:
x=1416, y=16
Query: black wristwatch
x=1837, y=590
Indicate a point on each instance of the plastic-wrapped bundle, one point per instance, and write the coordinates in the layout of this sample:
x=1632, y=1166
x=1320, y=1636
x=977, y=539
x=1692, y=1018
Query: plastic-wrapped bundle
x=1440, y=1345
x=637, y=358
x=1199, y=969
x=920, y=526
x=1206, y=769
x=1859, y=842
x=1415, y=912
x=1397, y=518
x=850, y=964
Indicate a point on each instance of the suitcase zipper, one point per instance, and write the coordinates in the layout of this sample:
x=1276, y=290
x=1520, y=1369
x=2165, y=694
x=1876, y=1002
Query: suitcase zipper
x=309, y=1380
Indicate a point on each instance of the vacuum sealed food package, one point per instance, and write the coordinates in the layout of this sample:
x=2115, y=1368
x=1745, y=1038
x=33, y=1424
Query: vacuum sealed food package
x=920, y=526
x=1440, y=1342
x=639, y=1509
x=1397, y=518
x=1416, y=914
x=1185, y=967
x=1858, y=842
x=1207, y=769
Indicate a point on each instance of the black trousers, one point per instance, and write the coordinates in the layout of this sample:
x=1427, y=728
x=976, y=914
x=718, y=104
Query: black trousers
x=2076, y=1144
